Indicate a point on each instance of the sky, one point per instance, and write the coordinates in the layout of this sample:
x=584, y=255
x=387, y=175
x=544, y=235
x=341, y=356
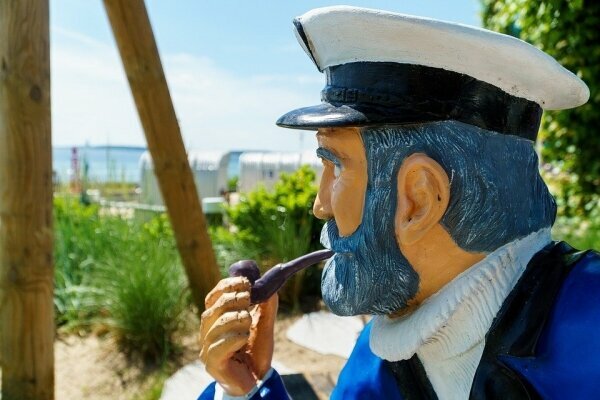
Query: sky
x=233, y=67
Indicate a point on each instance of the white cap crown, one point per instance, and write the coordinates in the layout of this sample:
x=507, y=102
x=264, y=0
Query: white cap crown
x=340, y=35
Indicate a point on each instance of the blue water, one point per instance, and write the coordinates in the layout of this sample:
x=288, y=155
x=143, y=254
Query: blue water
x=104, y=163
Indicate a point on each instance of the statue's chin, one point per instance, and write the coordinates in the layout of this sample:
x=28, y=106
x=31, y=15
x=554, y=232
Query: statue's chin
x=339, y=287
x=343, y=288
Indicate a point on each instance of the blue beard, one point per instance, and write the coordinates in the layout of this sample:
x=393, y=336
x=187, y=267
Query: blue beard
x=368, y=274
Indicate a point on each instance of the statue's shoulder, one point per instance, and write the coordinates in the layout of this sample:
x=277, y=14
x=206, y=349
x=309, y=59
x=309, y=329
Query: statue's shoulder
x=566, y=359
x=365, y=376
x=578, y=300
x=575, y=316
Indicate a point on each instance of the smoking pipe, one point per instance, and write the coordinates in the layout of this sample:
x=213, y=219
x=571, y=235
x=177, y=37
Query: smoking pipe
x=263, y=288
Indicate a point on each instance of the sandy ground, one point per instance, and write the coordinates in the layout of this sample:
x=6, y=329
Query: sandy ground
x=92, y=368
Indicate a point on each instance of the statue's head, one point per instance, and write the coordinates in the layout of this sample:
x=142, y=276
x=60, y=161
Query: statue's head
x=427, y=133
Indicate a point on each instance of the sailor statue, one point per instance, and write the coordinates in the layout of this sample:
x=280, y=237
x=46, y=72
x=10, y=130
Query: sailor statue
x=438, y=219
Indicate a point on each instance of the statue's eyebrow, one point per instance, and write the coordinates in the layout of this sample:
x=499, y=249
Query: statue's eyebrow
x=328, y=155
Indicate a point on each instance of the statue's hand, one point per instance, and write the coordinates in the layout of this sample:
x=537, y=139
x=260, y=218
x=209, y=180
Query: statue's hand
x=237, y=339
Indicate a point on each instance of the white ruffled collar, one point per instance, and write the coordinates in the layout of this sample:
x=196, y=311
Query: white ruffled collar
x=478, y=291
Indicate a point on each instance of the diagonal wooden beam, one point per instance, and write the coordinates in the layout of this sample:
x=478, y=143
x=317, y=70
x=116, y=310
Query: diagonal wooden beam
x=26, y=267
x=133, y=33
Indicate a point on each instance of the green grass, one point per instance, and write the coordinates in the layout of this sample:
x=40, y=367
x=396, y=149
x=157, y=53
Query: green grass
x=82, y=240
x=119, y=275
x=143, y=293
x=156, y=381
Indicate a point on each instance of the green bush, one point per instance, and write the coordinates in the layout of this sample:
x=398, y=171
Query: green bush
x=120, y=274
x=580, y=232
x=142, y=291
x=569, y=31
x=81, y=241
x=232, y=183
x=231, y=246
x=277, y=225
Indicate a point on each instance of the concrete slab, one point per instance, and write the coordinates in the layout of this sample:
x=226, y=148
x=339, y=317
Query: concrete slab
x=326, y=333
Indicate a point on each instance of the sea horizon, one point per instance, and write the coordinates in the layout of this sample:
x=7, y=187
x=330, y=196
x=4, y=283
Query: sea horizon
x=104, y=163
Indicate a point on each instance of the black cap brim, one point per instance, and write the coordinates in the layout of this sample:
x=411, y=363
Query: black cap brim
x=324, y=115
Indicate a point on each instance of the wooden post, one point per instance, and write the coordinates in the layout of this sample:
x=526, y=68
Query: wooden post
x=133, y=33
x=26, y=271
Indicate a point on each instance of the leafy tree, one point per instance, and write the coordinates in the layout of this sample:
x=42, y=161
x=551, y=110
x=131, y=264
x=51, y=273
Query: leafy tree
x=568, y=30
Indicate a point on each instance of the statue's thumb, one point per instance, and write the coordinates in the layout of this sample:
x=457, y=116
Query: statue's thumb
x=261, y=341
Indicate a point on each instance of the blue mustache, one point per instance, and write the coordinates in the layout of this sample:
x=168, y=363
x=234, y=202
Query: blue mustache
x=331, y=239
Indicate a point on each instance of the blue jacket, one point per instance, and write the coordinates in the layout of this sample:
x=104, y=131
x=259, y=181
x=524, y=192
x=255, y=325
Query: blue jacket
x=544, y=343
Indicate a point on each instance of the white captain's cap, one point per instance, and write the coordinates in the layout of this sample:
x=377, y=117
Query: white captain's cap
x=378, y=62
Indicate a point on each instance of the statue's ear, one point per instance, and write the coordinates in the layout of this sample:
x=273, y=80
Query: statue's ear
x=423, y=195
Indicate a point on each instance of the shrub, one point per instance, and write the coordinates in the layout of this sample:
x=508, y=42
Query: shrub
x=142, y=291
x=568, y=31
x=580, y=232
x=120, y=274
x=81, y=240
x=278, y=225
x=231, y=246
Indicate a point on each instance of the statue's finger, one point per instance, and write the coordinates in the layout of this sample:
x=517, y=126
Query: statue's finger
x=235, y=284
x=221, y=350
x=228, y=301
x=234, y=321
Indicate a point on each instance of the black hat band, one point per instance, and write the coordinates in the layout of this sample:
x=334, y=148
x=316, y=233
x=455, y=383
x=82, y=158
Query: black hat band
x=393, y=93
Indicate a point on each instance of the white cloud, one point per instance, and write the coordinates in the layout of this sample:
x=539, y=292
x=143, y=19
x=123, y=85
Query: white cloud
x=217, y=110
